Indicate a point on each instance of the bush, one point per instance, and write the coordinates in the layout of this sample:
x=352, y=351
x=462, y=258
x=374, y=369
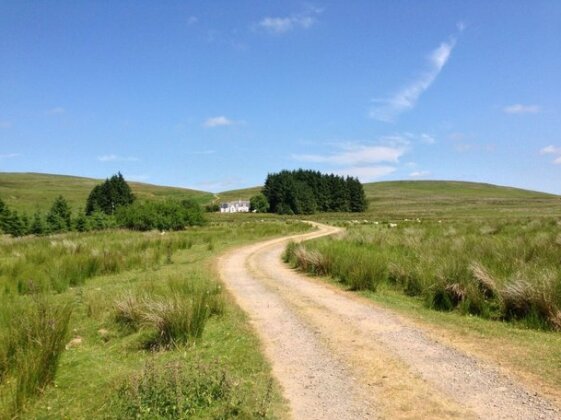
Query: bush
x=259, y=204
x=163, y=216
x=178, y=390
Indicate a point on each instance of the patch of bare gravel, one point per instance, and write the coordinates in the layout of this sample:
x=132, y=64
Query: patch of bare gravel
x=339, y=357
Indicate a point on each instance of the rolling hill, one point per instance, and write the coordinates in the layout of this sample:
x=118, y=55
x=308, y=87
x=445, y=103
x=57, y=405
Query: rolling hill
x=32, y=191
x=390, y=199
x=441, y=199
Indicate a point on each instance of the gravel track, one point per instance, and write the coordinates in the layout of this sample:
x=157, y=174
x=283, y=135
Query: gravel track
x=338, y=357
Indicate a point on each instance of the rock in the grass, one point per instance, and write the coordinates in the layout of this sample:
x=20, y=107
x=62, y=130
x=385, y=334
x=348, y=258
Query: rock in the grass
x=104, y=334
x=75, y=342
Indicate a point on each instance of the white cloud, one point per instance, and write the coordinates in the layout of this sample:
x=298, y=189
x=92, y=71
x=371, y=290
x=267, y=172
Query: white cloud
x=364, y=161
x=58, y=110
x=115, y=158
x=427, y=139
x=406, y=98
x=550, y=150
x=419, y=174
x=137, y=178
x=281, y=25
x=356, y=154
x=367, y=173
x=5, y=124
x=220, y=121
x=9, y=155
x=521, y=109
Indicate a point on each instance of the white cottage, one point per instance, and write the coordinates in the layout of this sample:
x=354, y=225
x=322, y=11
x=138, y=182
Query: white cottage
x=240, y=206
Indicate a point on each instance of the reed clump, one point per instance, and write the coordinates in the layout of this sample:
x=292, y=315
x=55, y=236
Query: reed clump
x=505, y=270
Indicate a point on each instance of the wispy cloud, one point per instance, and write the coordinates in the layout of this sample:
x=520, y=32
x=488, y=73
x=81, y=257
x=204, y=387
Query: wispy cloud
x=552, y=150
x=116, y=158
x=356, y=154
x=521, y=109
x=419, y=174
x=427, y=139
x=58, y=110
x=362, y=160
x=9, y=155
x=137, y=178
x=367, y=173
x=5, y=124
x=220, y=121
x=191, y=20
x=282, y=25
x=406, y=98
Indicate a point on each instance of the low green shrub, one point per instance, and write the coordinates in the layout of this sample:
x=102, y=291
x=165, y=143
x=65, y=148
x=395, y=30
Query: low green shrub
x=178, y=390
x=169, y=215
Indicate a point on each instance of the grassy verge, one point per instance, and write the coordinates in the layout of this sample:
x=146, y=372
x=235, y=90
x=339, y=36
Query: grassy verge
x=531, y=354
x=153, y=339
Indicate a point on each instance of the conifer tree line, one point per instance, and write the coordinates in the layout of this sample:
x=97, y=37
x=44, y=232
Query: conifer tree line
x=110, y=204
x=306, y=192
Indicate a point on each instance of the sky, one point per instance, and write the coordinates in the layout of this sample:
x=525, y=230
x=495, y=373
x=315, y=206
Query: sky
x=214, y=95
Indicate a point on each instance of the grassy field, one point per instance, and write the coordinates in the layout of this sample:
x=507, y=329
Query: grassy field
x=243, y=194
x=129, y=325
x=30, y=191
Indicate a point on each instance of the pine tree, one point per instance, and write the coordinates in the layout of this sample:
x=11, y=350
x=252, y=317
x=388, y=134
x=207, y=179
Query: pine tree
x=37, y=225
x=59, y=216
x=303, y=191
x=4, y=213
x=109, y=196
x=81, y=223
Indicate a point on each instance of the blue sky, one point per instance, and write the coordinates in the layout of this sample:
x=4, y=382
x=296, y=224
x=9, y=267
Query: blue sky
x=213, y=95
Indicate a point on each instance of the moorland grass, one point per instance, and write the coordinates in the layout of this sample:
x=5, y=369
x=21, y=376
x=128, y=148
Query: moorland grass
x=505, y=270
x=180, y=316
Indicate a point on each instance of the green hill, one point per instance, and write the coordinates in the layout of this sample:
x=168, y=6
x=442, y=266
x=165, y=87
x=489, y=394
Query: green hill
x=243, y=194
x=31, y=191
x=441, y=199
x=390, y=199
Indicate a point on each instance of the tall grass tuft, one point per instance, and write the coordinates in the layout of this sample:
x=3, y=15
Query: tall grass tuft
x=175, y=315
x=494, y=271
x=34, y=334
x=521, y=299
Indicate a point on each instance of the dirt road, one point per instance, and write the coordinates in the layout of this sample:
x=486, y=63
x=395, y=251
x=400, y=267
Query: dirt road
x=339, y=357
